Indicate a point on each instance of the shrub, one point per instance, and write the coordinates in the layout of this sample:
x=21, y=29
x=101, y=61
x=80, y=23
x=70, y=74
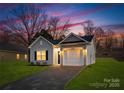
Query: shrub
x=39, y=63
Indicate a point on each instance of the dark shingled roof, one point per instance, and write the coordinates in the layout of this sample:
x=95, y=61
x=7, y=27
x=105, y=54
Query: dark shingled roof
x=55, y=41
x=12, y=47
x=88, y=37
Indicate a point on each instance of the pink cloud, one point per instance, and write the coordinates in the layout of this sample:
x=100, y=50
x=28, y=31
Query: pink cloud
x=72, y=17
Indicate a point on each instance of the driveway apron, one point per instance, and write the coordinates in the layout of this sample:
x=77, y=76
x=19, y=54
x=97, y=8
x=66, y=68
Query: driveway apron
x=52, y=79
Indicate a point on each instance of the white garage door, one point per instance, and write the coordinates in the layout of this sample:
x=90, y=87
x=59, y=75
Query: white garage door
x=72, y=57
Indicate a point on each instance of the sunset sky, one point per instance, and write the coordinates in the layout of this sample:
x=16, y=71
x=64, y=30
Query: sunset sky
x=100, y=14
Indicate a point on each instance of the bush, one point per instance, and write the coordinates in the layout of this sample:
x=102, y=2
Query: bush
x=39, y=63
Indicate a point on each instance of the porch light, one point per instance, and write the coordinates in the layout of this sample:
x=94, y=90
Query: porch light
x=26, y=56
x=17, y=56
x=61, y=52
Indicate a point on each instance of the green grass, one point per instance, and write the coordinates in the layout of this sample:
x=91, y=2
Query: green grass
x=12, y=71
x=92, y=77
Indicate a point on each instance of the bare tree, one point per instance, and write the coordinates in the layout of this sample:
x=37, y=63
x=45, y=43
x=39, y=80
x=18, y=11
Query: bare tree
x=4, y=37
x=29, y=20
x=99, y=34
x=122, y=38
x=88, y=27
x=80, y=34
x=24, y=22
x=109, y=39
x=57, y=28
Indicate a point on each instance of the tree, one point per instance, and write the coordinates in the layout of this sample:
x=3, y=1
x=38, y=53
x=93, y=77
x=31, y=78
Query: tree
x=122, y=38
x=29, y=21
x=57, y=28
x=43, y=33
x=4, y=37
x=88, y=27
x=99, y=34
x=80, y=34
x=109, y=38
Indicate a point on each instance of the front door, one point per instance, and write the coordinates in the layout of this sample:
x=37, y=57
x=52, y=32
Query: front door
x=58, y=57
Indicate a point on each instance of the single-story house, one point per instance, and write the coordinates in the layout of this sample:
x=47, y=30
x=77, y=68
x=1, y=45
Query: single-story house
x=12, y=52
x=73, y=50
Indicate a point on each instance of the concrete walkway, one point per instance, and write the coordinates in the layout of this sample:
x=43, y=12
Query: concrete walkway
x=52, y=79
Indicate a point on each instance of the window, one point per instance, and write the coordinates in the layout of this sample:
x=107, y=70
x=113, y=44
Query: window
x=17, y=56
x=41, y=55
x=38, y=55
x=26, y=56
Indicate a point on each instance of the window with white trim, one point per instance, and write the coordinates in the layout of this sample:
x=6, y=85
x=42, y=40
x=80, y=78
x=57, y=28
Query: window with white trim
x=41, y=55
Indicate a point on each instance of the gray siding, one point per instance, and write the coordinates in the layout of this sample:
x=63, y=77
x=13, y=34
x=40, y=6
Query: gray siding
x=72, y=38
x=45, y=46
x=90, y=53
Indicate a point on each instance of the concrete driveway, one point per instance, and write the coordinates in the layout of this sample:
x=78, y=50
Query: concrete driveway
x=52, y=79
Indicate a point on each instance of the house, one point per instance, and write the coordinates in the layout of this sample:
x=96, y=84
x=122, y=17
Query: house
x=12, y=52
x=74, y=50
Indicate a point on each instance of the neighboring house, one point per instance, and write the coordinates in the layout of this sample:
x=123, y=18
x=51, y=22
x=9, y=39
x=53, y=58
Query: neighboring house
x=74, y=50
x=11, y=52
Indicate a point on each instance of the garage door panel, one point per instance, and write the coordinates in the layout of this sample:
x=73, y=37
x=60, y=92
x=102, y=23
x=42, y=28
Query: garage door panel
x=72, y=57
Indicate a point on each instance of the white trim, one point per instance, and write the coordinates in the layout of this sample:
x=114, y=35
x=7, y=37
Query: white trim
x=74, y=43
x=74, y=35
x=37, y=40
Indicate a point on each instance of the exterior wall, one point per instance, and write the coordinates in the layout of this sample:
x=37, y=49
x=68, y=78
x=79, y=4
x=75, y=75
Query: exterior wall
x=45, y=46
x=11, y=56
x=90, y=54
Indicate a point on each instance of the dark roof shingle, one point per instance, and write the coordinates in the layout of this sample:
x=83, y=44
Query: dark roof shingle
x=88, y=37
x=55, y=41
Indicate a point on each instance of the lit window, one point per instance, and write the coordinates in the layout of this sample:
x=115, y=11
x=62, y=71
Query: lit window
x=38, y=55
x=17, y=56
x=41, y=55
x=26, y=56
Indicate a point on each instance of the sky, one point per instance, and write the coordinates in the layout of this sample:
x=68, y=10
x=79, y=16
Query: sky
x=101, y=14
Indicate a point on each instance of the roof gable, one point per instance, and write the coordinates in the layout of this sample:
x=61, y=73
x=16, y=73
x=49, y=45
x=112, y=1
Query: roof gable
x=35, y=41
x=72, y=38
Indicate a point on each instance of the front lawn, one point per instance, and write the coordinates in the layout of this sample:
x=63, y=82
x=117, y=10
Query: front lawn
x=106, y=73
x=12, y=71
